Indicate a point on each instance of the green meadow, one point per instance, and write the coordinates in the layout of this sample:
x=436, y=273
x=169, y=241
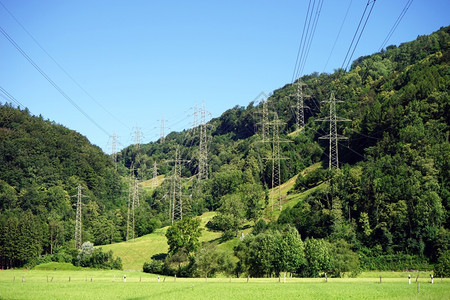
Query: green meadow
x=97, y=284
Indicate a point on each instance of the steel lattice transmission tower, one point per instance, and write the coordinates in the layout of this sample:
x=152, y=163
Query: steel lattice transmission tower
x=195, y=121
x=175, y=197
x=265, y=120
x=333, y=136
x=299, y=106
x=114, y=149
x=78, y=217
x=203, y=146
x=162, y=127
x=155, y=175
x=137, y=136
x=276, y=158
x=133, y=202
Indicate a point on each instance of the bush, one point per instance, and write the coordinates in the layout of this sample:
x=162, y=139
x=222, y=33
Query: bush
x=442, y=267
x=311, y=179
x=394, y=262
x=153, y=266
x=96, y=258
x=344, y=260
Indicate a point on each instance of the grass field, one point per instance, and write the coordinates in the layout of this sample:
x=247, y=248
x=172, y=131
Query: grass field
x=49, y=284
x=134, y=254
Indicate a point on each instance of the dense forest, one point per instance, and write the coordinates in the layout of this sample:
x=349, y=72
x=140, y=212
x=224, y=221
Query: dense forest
x=387, y=202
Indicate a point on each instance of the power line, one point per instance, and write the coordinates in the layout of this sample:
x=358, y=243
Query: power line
x=356, y=33
x=308, y=47
x=7, y=96
x=399, y=19
x=301, y=43
x=60, y=67
x=339, y=33
x=25, y=55
x=312, y=16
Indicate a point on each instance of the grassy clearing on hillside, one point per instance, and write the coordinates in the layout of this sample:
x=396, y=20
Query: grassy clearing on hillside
x=146, y=286
x=289, y=200
x=134, y=254
x=148, y=184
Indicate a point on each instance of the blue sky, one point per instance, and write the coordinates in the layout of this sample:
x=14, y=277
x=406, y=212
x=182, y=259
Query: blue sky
x=142, y=61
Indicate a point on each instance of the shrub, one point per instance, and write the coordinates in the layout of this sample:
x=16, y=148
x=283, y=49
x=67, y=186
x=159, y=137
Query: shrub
x=96, y=258
x=153, y=266
x=442, y=267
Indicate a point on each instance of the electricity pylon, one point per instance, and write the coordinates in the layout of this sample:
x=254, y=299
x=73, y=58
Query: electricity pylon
x=175, y=198
x=333, y=136
x=114, y=149
x=133, y=202
x=195, y=121
x=78, y=217
x=203, y=146
x=137, y=137
x=276, y=158
x=299, y=106
x=162, y=127
x=155, y=175
x=263, y=99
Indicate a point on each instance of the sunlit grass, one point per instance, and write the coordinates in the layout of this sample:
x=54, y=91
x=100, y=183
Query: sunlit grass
x=96, y=284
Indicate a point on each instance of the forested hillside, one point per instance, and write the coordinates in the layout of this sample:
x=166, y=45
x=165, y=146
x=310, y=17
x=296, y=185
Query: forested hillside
x=387, y=203
x=41, y=166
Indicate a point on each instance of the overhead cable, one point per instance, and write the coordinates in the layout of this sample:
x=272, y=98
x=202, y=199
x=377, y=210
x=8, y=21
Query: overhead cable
x=399, y=19
x=24, y=54
x=337, y=37
x=364, y=18
x=61, y=68
x=7, y=96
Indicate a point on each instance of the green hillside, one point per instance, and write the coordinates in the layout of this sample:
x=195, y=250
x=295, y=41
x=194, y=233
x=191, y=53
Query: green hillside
x=135, y=253
x=384, y=207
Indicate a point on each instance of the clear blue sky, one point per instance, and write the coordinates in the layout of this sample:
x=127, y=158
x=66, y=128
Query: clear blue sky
x=147, y=60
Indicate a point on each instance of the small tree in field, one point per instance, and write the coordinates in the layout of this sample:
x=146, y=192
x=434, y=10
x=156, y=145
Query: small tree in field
x=183, y=236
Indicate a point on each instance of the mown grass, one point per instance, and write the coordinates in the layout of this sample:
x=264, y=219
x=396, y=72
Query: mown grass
x=135, y=253
x=110, y=285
